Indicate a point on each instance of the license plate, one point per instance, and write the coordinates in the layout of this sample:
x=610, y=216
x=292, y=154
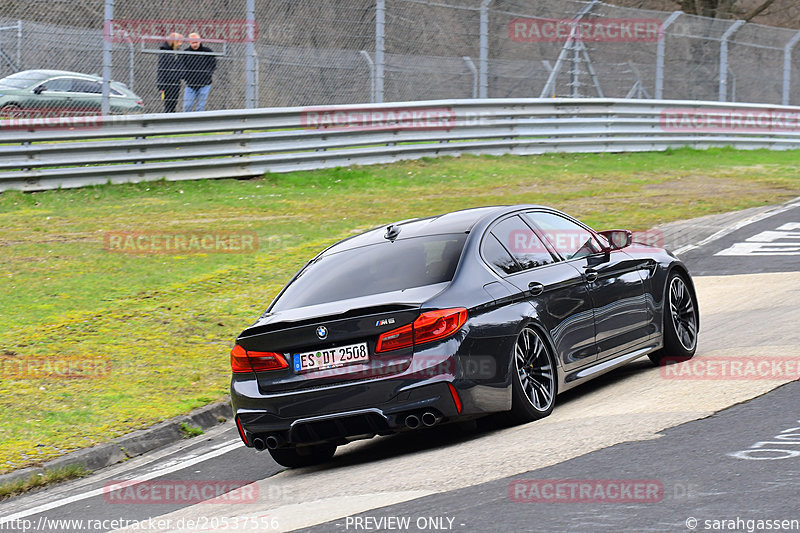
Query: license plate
x=331, y=357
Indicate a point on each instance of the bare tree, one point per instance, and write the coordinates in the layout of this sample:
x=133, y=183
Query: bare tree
x=772, y=12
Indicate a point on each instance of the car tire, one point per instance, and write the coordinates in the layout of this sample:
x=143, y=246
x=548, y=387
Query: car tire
x=10, y=111
x=534, y=380
x=300, y=456
x=680, y=322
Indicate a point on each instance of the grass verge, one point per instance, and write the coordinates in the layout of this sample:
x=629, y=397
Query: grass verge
x=95, y=343
x=36, y=481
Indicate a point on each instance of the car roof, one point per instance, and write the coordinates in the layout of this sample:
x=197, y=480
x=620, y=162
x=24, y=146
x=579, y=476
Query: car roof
x=448, y=223
x=50, y=73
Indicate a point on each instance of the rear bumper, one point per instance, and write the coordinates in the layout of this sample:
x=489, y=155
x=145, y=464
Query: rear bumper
x=328, y=412
x=344, y=425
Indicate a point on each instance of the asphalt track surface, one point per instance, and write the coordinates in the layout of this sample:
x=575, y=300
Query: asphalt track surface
x=669, y=436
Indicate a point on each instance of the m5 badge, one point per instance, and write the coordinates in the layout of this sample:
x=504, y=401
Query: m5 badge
x=384, y=322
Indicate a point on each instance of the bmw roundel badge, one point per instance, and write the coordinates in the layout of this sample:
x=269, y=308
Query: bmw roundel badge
x=322, y=332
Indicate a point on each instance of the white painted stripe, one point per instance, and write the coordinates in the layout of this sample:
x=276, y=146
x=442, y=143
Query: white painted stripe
x=230, y=446
x=721, y=233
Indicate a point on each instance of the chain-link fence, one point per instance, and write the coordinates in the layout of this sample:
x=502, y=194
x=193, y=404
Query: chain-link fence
x=259, y=53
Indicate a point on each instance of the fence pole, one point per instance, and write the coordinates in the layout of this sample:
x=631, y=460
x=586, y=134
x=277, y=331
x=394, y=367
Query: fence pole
x=787, y=67
x=723, y=60
x=105, y=106
x=660, y=50
x=483, y=60
x=380, y=44
x=19, y=45
x=250, y=62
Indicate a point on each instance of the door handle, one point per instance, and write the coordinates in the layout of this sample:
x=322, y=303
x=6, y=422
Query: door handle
x=590, y=273
x=535, y=288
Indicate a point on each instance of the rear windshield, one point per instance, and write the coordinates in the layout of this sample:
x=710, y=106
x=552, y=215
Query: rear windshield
x=381, y=267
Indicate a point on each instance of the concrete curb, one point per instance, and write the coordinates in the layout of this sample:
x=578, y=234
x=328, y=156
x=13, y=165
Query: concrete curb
x=133, y=444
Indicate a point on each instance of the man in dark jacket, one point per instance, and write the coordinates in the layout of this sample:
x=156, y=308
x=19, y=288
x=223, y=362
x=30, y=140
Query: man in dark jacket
x=170, y=71
x=198, y=65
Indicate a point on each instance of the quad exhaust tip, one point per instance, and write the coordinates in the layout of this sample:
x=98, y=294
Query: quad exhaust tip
x=427, y=419
x=430, y=419
x=270, y=442
x=412, y=421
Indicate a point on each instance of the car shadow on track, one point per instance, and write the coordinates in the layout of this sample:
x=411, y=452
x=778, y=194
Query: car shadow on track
x=425, y=439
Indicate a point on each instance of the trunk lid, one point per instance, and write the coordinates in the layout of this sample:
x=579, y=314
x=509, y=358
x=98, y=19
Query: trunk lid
x=356, y=323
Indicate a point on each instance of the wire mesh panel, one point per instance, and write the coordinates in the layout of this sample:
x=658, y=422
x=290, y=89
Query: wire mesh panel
x=755, y=63
x=323, y=52
x=432, y=49
x=313, y=52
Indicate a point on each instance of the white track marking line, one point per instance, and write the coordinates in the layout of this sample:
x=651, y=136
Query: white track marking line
x=232, y=445
x=730, y=229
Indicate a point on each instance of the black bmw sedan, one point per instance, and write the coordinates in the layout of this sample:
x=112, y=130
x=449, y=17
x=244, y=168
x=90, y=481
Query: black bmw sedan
x=442, y=319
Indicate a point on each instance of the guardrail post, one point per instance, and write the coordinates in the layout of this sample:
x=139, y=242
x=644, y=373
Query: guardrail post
x=483, y=60
x=371, y=64
x=660, y=50
x=471, y=67
x=380, y=44
x=787, y=67
x=105, y=106
x=723, y=60
x=250, y=63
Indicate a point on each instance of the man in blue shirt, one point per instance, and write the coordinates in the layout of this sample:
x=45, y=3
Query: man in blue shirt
x=198, y=66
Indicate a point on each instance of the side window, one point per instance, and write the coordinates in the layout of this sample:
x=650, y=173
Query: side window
x=86, y=86
x=524, y=245
x=61, y=85
x=569, y=239
x=498, y=257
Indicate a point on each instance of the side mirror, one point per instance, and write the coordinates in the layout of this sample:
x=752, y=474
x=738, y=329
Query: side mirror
x=618, y=238
x=40, y=89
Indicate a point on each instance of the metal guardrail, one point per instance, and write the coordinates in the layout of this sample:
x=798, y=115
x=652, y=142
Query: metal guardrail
x=39, y=154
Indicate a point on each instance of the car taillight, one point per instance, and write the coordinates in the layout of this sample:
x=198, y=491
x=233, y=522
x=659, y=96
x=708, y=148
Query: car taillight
x=249, y=361
x=429, y=326
x=396, y=339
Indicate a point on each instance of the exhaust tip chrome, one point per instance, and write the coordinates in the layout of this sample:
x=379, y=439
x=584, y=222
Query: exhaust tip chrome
x=412, y=421
x=259, y=444
x=273, y=442
x=430, y=419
